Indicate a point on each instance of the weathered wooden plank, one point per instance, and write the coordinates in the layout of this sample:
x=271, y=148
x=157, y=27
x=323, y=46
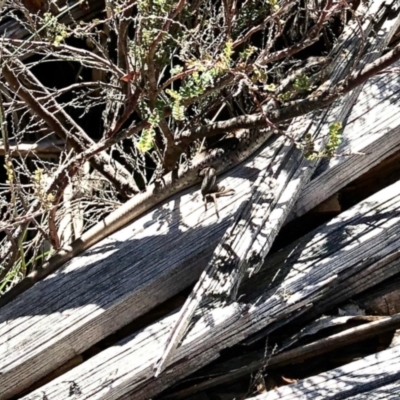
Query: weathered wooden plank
x=116, y=281
x=373, y=117
x=344, y=251
x=113, y=283
x=250, y=363
x=248, y=240
x=368, y=378
x=385, y=392
x=378, y=139
x=382, y=300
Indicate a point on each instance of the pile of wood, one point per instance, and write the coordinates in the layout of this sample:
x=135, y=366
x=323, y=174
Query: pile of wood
x=319, y=318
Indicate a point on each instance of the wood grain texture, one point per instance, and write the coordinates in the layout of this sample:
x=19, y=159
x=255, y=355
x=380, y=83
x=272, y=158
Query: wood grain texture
x=251, y=363
x=249, y=238
x=372, y=128
x=384, y=392
x=333, y=259
x=116, y=281
x=373, y=377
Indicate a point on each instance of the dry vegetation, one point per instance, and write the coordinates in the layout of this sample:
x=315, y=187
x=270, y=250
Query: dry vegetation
x=108, y=109
x=94, y=111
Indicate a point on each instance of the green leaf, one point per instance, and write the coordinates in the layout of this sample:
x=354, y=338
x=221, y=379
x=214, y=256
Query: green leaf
x=302, y=83
x=335, y=138
x=176, y=70
x=178, y=112
x=175, y=95
x=270, y=88
x=146, y=141
x=259, y=75
x=284, y=96
x=246, y=53
x=274, y=4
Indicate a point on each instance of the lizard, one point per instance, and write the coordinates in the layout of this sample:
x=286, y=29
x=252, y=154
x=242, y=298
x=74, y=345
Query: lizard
x=225, y=256
x=220, y=159
x=210, y=190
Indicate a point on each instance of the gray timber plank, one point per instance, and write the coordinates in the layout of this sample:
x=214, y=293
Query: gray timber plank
x=344, y=251
x=118, y=280
x=385, y=392
x=115, y=282
x=372, y=128
x=373, y=377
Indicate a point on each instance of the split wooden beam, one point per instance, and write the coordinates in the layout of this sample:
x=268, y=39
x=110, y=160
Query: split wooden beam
x=250, y=363
x=374, y=377
x=376, y=112
x=353, y=252
x=116, y=281
x=248, y=240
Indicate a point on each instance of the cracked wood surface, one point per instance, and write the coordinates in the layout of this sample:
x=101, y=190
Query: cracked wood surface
x=374, y=377
x=234, y=368
x=347, y=255
x=379, y=97
x=112, y=283
x=116, y=281
x=249, y=238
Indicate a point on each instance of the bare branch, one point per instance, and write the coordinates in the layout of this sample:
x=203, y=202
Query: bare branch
x=301, y=107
